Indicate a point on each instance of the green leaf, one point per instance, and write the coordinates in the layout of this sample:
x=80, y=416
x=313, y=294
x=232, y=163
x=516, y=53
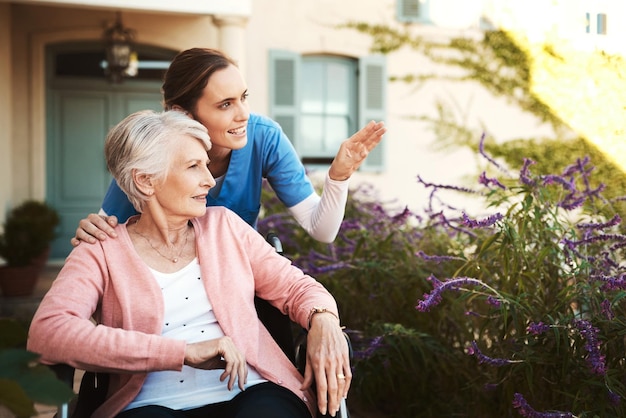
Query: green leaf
x=37, y=381
x=15, y=399
x=12, y=333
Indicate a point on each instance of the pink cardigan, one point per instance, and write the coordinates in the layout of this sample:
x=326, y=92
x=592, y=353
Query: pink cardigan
x=110, y=282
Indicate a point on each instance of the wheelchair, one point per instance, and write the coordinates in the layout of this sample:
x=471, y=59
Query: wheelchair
x=93, y=389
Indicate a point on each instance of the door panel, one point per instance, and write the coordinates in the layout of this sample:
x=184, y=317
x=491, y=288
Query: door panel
x=77, y=177
x=140, y=101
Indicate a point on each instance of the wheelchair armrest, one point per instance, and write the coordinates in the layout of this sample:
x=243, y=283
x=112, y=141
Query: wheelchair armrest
x=64, y=373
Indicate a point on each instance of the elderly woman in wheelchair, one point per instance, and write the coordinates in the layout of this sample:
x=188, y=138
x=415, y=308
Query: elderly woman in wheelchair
x=167, y=309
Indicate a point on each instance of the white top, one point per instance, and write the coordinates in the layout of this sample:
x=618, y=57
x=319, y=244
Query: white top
x=321, y=216
x=188, y=316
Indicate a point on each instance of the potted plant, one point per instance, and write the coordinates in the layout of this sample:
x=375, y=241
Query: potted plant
x=24, y=245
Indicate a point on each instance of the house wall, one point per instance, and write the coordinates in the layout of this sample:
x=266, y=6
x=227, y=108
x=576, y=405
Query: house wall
x=303, y=26
x=309, y=27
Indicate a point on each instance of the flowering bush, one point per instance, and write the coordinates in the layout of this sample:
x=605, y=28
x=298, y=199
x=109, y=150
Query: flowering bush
x=516, y=313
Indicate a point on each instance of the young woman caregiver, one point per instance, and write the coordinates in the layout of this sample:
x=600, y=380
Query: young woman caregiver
x=247, y=147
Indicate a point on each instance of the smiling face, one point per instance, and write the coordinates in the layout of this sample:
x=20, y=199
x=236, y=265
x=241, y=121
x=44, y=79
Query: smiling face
x=183, y=191
x=223, y=109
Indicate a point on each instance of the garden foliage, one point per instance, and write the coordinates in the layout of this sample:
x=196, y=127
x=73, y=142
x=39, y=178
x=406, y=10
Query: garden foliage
x=519, y=312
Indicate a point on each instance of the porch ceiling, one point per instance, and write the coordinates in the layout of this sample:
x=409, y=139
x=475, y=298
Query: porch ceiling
x=204, y=7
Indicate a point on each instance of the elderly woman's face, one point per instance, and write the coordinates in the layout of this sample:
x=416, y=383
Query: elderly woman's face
x=223, y=108
x=183, y=192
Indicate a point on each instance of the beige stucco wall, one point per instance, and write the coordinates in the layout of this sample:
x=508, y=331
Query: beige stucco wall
x=298, y=25
x=412, y=148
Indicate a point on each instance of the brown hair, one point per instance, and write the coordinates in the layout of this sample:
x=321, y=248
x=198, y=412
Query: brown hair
x=189, y=74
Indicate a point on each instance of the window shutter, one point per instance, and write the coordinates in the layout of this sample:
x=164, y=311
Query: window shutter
x=283, y=93
x=412, y=10
x=601, y=24
x=372, y=104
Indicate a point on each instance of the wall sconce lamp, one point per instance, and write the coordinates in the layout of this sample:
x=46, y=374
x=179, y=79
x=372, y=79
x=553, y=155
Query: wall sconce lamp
x=118, y=42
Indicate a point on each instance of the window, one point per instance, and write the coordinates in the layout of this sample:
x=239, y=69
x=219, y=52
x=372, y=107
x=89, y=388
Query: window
x=600, y=28
x=320, y=100
x=413, y=10
x=327, y=104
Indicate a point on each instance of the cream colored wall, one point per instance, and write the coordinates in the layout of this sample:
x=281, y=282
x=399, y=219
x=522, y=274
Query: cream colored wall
x=34, y=27
x=298, y=25
x=412, y=149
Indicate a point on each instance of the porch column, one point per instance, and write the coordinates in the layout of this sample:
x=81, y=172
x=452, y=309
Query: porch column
x=6, y=104
x=232, y=34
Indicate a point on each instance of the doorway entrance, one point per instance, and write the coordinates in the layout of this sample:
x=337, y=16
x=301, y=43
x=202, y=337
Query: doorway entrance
x=81, y=107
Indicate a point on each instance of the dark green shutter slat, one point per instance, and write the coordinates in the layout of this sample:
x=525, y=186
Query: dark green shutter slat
x=283, y=106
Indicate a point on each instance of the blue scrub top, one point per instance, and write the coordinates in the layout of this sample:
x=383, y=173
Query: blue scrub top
x=267, y=154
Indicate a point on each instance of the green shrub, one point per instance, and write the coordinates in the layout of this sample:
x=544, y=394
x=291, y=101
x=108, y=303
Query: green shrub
x=519, y=312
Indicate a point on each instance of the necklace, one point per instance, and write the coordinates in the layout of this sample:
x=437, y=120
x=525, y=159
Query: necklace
x=173, y=260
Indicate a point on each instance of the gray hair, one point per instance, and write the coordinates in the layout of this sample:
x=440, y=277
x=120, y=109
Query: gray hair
x=143, y=143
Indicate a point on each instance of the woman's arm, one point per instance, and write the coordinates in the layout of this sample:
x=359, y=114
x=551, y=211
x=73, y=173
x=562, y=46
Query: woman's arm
x=95, y=225
x=322, y=217
x=63, y=331
x=327, y=361
x=115, y=208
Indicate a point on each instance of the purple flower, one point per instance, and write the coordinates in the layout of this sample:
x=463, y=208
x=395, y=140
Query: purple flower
x=595, y=239
x=446, y=222
x=487, y=181
x=434, y=297
x=615, y=220
x=473, y=350
x=527, y=411
x=524, y=174
x=606, y=309
x=552, y=179
x=610, y=282
x=401, y=217
x=570, y=202
x=595, y=359
x=444, y=186
x=374, y=345
x=537, y=328
x=577, y=167
x=614, y=398
x=437, y=258
x=493, y=301
x=490, y=220
x=481, y=150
